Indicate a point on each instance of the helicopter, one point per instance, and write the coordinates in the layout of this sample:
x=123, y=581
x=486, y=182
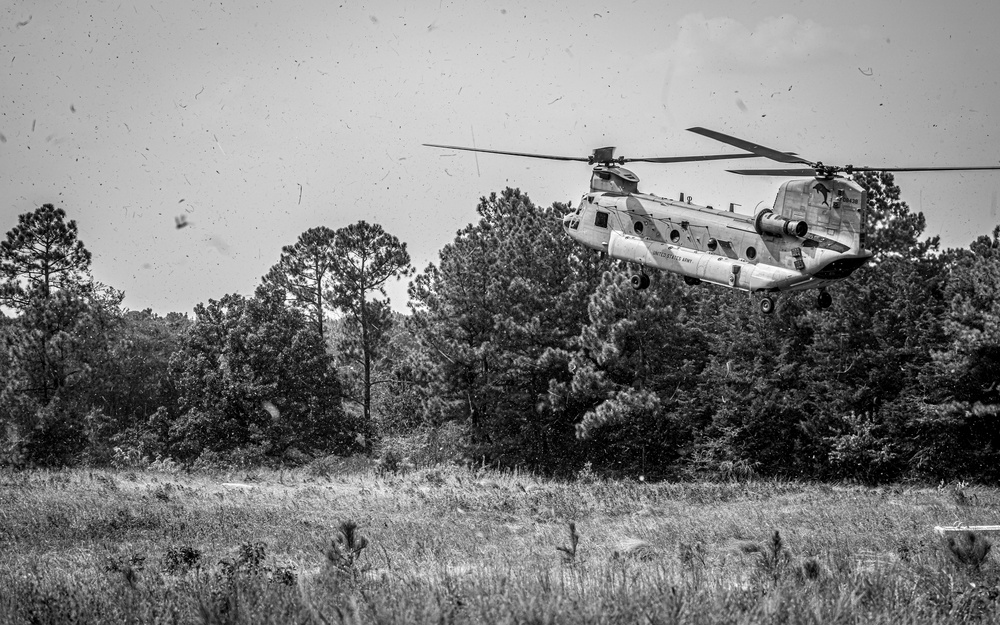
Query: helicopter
x=813, y=235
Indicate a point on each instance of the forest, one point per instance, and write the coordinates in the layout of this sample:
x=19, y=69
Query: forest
x=519, y=350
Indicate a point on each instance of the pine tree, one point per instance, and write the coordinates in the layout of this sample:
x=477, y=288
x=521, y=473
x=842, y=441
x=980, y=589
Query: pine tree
x=304, y=271
x=497, y=320
x=59, y=335
x=366, y=258
x=254, y=377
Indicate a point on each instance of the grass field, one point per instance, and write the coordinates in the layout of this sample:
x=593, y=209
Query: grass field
x=452, y=545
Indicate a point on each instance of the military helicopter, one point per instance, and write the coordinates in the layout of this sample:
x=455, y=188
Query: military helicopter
x=813, y=236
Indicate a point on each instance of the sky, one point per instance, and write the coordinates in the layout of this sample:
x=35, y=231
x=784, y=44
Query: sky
x=251, y=122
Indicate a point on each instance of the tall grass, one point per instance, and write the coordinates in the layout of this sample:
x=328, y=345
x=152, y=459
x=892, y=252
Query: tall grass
x=354, y=544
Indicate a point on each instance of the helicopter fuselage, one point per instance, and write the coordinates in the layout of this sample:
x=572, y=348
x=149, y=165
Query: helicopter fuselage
x=813, y=236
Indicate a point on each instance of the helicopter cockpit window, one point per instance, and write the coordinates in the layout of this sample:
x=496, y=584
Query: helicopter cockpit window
x=637, y=227
x=601, y=220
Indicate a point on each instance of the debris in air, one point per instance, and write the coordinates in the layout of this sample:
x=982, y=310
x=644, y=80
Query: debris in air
x=271, y=409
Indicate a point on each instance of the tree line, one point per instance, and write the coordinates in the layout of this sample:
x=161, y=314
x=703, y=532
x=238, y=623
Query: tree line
x=529, y=350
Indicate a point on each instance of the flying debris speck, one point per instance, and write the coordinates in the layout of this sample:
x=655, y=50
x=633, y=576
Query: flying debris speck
x=24, y=23
x=72, y=108
x=3, y=139
x=181, y=221
x=271, y=409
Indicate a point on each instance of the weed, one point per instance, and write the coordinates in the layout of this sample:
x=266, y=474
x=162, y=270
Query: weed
x=284, y=575
x=251, y=556
x=737, y=470
x=692, y=556
x=181, y=559
x=164, y=465
x=435, y=477
x=809, y=569
x=392, y=463
x=569, y=553
x=126, y=566
x=128, y=458
x=586, y=474
x=162, y=493
x=636, y=549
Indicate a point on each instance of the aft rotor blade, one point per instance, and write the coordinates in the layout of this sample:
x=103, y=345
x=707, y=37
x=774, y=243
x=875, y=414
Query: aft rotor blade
x=749, y=146
x=990, y=167
x=525, y=154
x=689, y=159
x=849, y=170
x=773, y=172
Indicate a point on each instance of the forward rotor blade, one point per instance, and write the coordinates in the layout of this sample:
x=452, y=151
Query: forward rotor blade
x=689, y=159
x=525, y=154
x=773, y=172
x=585, y=159
x=759, y=150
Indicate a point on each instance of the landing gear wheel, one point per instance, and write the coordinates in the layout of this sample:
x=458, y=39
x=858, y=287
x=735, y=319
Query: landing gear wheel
x=824, y=300
x=640, y=281
x=766, y=305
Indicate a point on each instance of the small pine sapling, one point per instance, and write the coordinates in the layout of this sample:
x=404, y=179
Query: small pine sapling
x=347, y=547
x=969, y=549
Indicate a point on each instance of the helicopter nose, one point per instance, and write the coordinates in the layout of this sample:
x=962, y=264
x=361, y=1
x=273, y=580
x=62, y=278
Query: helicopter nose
x=566, y=220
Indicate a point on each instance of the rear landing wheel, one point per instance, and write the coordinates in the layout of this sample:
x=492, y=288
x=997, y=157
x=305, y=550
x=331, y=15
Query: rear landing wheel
x=824, y=300
x=766, y=305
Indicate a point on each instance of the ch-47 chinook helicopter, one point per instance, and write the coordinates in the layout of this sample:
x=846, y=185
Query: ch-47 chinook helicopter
x=812, y=237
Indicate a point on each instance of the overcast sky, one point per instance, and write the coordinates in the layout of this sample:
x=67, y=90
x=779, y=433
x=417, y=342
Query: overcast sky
x=254, y=121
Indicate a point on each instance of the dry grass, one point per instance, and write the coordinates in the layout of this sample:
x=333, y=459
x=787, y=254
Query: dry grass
x=450, y=545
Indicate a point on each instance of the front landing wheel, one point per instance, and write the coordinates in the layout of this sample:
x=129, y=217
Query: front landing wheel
x=766, y=305
x=640, y=281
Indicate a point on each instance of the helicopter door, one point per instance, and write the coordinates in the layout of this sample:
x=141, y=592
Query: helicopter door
x=594, y=226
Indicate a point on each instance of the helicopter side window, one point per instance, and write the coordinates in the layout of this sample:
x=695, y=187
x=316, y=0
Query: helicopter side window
x=601, y=220
x=637, y=227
